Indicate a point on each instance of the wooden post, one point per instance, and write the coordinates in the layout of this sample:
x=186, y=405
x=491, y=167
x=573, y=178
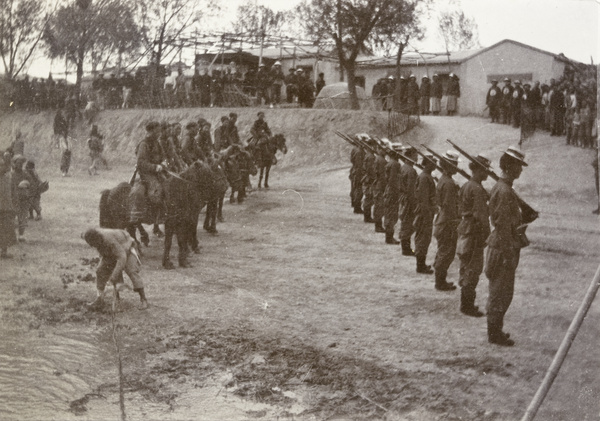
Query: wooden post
x=563, y=349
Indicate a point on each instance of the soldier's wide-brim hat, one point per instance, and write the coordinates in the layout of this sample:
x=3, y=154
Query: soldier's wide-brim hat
x=428, y=157
x=191, y=125
x=398, y=147
x=425, y=77
x=451, y=157
x=506, y=79
x=494, y=81
x=484, y=161
x=515, y=153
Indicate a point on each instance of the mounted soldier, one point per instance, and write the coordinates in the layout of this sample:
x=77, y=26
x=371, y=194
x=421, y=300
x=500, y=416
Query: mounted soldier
x=147, y=192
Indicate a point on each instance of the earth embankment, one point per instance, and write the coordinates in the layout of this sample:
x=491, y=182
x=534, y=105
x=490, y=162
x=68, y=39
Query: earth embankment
x=309, y=133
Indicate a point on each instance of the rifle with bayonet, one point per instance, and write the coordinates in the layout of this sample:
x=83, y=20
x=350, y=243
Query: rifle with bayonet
x=456, y=167
x=397, y=154
x=356, y=142
x=529, y=214
x=420, y=152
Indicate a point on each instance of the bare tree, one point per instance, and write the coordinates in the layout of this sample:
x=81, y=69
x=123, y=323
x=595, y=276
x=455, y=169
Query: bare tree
x=76, y=30
x=458, y=31
x=165, y=22
x=22, y=24
x=259, y=21
x=358, y=26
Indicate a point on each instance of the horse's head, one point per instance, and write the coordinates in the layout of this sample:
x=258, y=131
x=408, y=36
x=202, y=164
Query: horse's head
x=279, y=141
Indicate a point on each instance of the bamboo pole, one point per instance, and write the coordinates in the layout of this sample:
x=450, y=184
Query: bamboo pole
x=561, y=354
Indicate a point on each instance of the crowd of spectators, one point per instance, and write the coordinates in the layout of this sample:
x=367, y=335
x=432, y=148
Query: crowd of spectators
x=563, y=107
x=152, y=87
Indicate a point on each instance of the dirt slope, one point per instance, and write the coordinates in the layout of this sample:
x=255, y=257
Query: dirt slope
x=309, y=132
x=298, y=307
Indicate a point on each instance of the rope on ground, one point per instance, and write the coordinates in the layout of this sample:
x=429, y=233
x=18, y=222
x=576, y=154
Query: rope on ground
x=119, y=359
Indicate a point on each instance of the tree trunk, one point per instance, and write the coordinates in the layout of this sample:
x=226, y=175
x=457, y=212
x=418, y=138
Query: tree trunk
x=398, y=91
x=80, y=57
x=350, y=70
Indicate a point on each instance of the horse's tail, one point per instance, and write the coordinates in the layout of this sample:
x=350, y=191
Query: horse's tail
x=104, y=210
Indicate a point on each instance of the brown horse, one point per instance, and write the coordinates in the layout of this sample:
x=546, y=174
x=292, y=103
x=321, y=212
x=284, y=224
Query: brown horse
x=264, y=152
x=185, y=195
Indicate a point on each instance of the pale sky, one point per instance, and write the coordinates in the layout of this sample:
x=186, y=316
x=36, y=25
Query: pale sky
x=558, y=26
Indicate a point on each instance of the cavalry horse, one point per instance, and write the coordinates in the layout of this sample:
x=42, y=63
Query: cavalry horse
x=264, y=151
x=184, y=197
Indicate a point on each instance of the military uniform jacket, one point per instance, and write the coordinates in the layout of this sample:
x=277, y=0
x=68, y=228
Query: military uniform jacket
x=494, y=97
x=190, y=151
x=425, y=89
x=436, y=89
x=516, y=97
x=473, y=207
x=507, y=92
x=447, y=200
x=380, y=176
x=368, y=169
x=149, y=155
x=259, y=129
x=408, y=180
x=453, y=87
x=425, y=195
x=505, y=215
x=356, y=158
x=393, y=185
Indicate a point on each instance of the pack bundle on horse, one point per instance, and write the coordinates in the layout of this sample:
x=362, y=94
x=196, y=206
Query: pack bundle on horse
x=263, y=150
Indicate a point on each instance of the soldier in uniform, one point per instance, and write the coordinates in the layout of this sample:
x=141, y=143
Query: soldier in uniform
x=379, y=189
x=425, y=210
x=408, y=179
x=452, y=94
x=204, y=139
x=473, y=231
x=504, y=245
x=149, y=166
x=412, y=95
x=515, y=104
x=493, y=100
x=367, y=183
x=190, y=151
x=391, y=197
x=291, y=85
x=446, y=221
x=261, y=132
x=222, y=135
x=234, y=136
x=425, y=91
x=436, y=95
x=507, y=91
x=357, y=155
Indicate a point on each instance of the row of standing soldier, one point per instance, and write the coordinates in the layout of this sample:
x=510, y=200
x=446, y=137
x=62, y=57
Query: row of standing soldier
x=383, y=190
x=414, y=99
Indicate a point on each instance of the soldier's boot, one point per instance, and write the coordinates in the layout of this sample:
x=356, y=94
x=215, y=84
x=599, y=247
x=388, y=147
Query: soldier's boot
x=379, y=226
x=167, y=264
x=422, y=267
x=495, y=334
x=406, y=249
x=440, y=282
x=357, y=209
x=389, y=238
x=467, y=303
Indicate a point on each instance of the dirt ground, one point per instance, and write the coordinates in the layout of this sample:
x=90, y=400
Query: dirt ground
x=297, y=309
